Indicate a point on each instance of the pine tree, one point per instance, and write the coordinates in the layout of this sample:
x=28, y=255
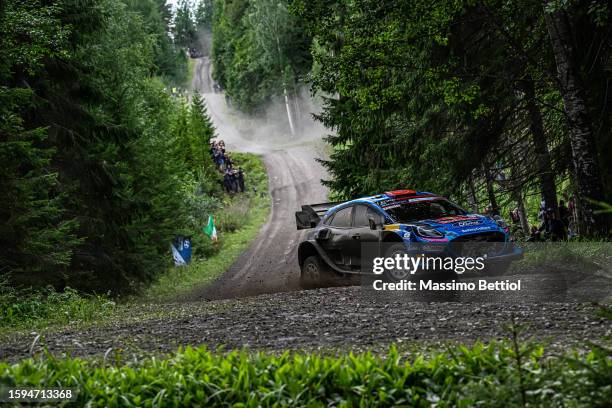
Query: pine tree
x=37, y=237
x=184, y=27
x=202, y=132
x=204, y=14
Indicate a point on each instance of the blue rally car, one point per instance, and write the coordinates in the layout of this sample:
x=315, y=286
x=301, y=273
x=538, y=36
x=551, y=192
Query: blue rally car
x=396, y=221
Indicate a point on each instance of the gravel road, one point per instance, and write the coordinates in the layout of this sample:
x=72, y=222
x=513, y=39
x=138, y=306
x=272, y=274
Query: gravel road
x=334, y=319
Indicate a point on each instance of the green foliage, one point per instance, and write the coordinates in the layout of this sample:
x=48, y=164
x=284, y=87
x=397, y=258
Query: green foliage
x=238, y=220
x=482, y=375
x=443, y=95
x=204, y=14
x=259, y=50
x=31, y=309
x=405, y=102
x=102, y=166
x=170, y=62
x=185, y=32
x=36, y=235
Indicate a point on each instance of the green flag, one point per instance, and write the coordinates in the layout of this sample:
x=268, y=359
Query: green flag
x=210, y=228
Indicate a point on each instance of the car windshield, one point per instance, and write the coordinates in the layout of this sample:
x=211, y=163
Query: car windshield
x=422, y=210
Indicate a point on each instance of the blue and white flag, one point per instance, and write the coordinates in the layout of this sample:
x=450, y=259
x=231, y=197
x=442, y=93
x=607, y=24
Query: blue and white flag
x=181, y=250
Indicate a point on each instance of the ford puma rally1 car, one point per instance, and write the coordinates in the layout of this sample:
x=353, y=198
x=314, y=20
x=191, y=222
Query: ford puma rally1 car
x=396, y=220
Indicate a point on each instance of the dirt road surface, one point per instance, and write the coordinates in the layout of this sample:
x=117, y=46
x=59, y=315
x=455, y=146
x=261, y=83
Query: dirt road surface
x=331, y=319
x=270, y=264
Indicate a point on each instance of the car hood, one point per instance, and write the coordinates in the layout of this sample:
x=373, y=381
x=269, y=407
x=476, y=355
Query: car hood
x=462, y=224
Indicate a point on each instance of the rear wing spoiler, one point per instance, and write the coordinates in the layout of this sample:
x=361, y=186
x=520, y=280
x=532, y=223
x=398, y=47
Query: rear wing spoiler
x=311, y=214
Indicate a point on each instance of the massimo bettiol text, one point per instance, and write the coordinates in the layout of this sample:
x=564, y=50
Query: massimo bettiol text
x=405, y=265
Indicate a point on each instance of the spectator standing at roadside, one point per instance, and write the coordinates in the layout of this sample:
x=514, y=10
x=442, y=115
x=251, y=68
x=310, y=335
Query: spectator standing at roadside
x=221, y=162
x=241, y=179
x=534, y=234
x=227, y=182
x=542, y=211
x=557, y=229
x=212, y=150
x=514, y=216
x=235, y=187
x=553, y=226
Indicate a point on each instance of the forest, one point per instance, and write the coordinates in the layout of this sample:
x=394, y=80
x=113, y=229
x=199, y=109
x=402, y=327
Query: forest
x=497, y=104
x=102, y=165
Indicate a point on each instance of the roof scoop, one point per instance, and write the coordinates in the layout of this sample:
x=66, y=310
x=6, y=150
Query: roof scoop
x=400, y=193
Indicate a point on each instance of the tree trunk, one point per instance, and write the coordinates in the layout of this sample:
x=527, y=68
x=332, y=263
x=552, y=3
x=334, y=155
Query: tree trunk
x=472, y=199
x=490, y=190
x=289, y=115
x=297, y=110
x=285, y=92
x=515, y=185
x=522, y=213
x=540, y=144
x=581, y=136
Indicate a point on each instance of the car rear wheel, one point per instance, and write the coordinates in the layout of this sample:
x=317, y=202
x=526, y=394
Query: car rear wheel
x=314, y=272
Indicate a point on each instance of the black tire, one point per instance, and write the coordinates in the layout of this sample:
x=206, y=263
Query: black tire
x=314, y=273
x=396, y=275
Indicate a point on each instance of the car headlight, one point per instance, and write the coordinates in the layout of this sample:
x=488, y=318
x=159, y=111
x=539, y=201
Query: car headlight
x=428, y=232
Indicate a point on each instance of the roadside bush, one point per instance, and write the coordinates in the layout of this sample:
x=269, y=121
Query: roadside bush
x=34, y=308
x=484, y=375
x=234, y=214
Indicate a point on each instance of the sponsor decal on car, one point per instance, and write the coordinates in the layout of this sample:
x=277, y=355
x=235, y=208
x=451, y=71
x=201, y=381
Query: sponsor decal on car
x=484, y=228
x=455, y=218
x=468, y=223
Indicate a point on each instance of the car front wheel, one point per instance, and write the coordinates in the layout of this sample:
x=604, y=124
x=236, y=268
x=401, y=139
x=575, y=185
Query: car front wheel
x=314, y=272
x=396, y=275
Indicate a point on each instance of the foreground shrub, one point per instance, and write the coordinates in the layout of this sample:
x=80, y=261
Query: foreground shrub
x=464, y=377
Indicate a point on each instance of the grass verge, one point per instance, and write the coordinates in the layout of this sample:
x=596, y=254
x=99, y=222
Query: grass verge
x=583, y=256
x=483, y=375
x=191, y=65
x=237, y=223
x=35, y=309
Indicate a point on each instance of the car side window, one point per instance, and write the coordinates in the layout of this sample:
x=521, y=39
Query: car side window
x=372, y=213
x=362, y=213
x=342, y=218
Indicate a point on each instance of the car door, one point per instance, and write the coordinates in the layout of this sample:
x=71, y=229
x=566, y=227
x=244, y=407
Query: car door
x=334, y=235
x=361, y=233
